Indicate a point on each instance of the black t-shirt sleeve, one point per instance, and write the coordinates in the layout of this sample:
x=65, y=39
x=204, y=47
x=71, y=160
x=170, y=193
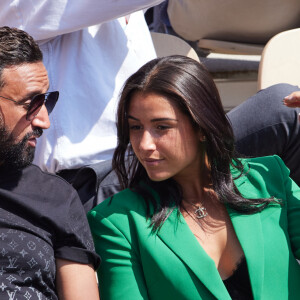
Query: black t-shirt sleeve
x=52, y=210
x=73, y=239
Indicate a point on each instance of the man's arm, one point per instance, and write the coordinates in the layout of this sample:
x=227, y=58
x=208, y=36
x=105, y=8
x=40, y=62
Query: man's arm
x=263, y=126
x=75, y=281
x=47, y=19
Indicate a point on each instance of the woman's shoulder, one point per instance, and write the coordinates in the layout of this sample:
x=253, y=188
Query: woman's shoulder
x=122, y=203
x=119, y=214
x=264, y=174
x=270, y=159
x=257, y=164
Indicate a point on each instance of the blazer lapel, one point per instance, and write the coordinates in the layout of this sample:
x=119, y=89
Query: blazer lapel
x=248, y=229
x=249, y=232
x=176, y=233
x=178, y=237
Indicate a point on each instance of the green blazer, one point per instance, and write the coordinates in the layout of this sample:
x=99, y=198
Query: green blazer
x=171, y=264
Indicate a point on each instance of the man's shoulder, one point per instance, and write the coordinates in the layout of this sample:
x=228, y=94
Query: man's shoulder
x=36, y=171
x=39, y=196
x=44, y=181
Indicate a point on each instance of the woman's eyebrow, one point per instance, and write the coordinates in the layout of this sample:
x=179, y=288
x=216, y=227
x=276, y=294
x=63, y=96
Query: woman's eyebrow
x=163, y=119
x=131, y=117
x=154, y=120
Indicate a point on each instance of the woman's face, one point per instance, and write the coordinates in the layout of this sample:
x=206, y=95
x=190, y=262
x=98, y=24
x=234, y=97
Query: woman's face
x=163, y=138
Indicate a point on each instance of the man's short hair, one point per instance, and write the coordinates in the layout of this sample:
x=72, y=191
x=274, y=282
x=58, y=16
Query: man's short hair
x=17, y=47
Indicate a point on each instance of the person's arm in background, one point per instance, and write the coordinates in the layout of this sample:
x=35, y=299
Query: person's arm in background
x=47, y=19
x=263, y=126
x=75, y=281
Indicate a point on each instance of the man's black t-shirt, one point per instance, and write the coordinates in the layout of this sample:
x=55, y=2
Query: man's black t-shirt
x=41, y=218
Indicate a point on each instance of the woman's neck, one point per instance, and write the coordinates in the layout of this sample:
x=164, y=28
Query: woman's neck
x=196, y=186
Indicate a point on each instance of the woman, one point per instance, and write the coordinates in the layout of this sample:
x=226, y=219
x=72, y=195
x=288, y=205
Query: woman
x=195, y=222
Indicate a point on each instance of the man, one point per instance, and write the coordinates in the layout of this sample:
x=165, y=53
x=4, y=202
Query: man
x=45, y=240
x=90, y=48
x=263, y=125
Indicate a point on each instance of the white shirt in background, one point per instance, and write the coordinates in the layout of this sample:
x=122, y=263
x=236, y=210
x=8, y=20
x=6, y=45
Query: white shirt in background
x=88, y=56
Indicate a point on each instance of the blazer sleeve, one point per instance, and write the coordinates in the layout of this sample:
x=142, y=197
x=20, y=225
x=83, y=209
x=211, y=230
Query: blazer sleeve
x=292, y=192
x=120, y=274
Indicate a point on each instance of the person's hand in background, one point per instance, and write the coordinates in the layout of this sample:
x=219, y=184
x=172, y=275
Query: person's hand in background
x=292, y=100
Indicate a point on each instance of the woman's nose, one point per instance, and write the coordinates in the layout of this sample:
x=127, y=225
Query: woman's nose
x=147, y=141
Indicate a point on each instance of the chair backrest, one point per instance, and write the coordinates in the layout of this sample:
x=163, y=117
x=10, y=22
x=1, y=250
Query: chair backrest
x=280, y=60
x=232, y=26
x=241, y=21
x=166, y=44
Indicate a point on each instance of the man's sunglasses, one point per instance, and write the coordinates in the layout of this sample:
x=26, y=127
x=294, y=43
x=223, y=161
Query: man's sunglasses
x=37, y=102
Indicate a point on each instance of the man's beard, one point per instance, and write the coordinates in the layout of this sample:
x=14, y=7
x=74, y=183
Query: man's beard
x=16, y=155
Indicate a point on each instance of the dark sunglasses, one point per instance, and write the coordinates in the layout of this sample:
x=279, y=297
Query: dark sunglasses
x=36, y=103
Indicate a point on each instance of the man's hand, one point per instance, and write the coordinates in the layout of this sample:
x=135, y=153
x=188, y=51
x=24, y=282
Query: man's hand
x=292, y=100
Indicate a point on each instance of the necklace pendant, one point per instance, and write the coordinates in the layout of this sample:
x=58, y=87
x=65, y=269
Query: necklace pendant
x=200, y=212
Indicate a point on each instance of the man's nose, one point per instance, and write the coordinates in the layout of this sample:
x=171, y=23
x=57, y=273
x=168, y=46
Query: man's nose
x=42, y=118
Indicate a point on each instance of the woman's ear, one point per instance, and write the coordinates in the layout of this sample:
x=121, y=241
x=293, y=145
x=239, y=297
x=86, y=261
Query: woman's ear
x=202, y=137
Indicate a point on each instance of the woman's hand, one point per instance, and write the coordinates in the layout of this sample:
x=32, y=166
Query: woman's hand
x=75, y=281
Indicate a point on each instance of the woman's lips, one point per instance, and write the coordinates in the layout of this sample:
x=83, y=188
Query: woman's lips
x=152, y=161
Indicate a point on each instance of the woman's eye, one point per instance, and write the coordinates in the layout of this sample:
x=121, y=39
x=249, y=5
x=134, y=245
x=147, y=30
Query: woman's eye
x=134, y=127
x=163, y=127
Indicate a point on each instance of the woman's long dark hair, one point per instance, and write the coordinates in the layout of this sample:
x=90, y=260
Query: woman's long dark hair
x=191, y=88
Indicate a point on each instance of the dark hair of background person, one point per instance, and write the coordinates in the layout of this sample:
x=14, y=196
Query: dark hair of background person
x=188, y=85
x=16, y=48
